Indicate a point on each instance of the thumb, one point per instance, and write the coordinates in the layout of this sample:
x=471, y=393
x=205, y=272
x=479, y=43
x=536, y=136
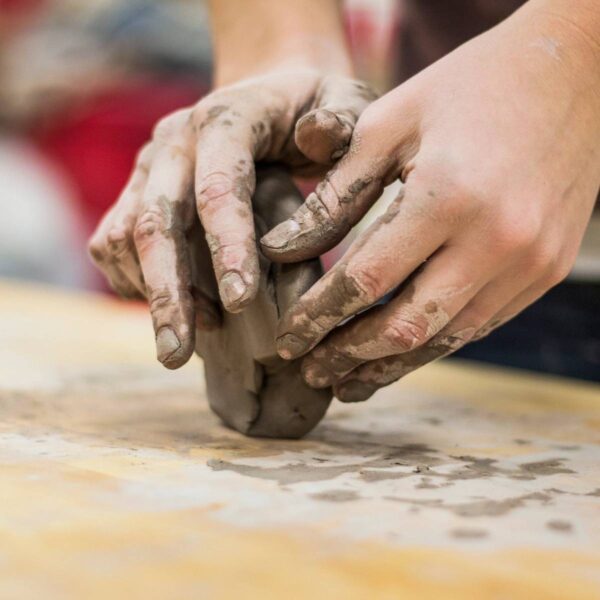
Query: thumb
x=323, y=135
x=381, y=146
x=329, y=213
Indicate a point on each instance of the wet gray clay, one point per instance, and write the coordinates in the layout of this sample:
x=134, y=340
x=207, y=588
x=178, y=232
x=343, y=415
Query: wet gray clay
x=248, y=385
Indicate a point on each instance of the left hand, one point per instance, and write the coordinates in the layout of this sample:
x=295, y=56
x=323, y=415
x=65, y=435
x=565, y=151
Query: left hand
x=497, y=144
x=200, y=163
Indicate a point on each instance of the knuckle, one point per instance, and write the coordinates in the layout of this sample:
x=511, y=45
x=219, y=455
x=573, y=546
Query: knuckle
x=540, y=259
x=97, y=249
x=212, y=188
x=323, y=203
x=457, y=187
x=168, y=126
x=455, y=208
x=454, y=197
x=515, y=235
x=177, y=297
x=404, y=334
x=211, y=109
x=364, y=285
x=198, y=114
x=445, y=172
x=117, y=241
x=144, y=155
x=151, y=222
x=557, y=273
x=336, y=358
x=342, y=362
x=159, y=298
x=371, y=120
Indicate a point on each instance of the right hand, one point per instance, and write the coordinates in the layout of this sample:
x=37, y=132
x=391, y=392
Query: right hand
x=200, y=162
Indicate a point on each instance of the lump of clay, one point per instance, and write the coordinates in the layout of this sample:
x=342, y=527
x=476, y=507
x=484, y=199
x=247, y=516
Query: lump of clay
x=248, y=385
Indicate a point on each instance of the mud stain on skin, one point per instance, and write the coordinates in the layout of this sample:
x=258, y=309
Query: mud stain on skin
x=212, y=115
x=299, y=331
x=356, y=187
x=365, y=92
x=431, y=307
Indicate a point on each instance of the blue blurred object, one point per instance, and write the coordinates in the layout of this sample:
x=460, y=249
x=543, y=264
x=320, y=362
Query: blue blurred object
x=559, y=334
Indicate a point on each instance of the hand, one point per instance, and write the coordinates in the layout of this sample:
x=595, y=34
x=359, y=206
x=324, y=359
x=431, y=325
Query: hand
x=497, y=145
x=200, y=162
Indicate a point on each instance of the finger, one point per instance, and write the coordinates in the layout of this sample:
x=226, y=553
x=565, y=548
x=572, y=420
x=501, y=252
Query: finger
x=323, y=135
x=448, y=282
x=162, y=249
x=484, y=313
x=362, y=383
x=381, y=258
x=328, y=213
x=511, y=310
x=111, y=246
x=375, y=159
x=228, y=143
x=102, y=251
x=521, y=296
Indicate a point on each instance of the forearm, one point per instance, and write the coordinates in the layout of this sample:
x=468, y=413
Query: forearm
x=255, y=36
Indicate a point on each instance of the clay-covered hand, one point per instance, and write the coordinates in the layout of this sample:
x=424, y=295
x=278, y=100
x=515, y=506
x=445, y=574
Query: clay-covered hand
x=200, y=162
x=497, y=146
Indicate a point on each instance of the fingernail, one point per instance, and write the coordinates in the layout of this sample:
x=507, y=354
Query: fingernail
x=325, y=119
x=167, y=343
x=290, y=346
x=280, y=236
x=232, y=288
x=317, y=376
x=355, y=391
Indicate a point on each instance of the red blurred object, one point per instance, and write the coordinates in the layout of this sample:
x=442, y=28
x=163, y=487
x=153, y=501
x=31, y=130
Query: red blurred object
x=96, y=144
x=20, y=6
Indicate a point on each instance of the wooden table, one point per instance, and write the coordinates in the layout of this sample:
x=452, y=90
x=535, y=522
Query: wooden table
x=117, y=482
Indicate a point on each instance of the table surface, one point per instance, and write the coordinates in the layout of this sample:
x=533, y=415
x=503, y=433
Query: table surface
x=117, y=481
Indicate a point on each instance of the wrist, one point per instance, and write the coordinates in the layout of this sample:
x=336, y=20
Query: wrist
x=296, y=53
x=253, y=38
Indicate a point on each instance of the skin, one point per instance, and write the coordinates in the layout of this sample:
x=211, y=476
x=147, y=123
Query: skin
x=299, y=112
x=497, y=146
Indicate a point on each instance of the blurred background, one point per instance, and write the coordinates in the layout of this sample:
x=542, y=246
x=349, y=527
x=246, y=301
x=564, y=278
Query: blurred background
x=82, y=83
